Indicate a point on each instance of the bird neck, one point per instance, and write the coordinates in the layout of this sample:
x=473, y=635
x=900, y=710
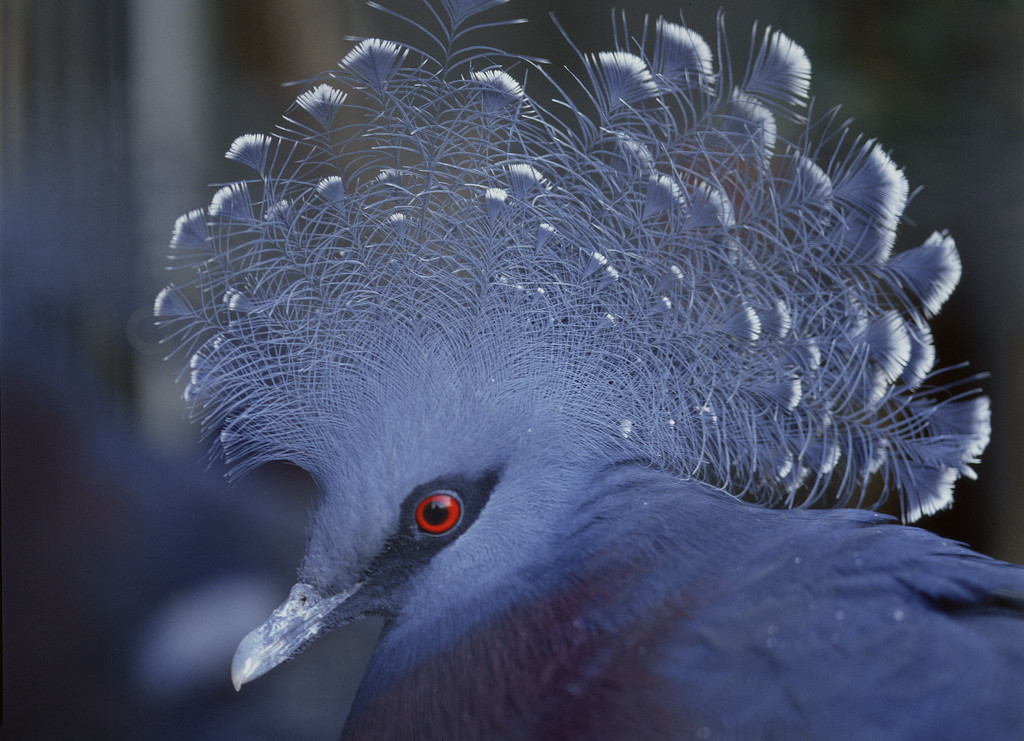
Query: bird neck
x=528, y=635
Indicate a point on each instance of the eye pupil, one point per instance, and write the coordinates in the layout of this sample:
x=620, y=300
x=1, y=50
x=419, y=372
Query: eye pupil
x=438, y=513
x=435, y=513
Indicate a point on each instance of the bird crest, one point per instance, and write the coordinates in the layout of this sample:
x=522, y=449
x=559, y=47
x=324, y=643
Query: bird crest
x=652, y=268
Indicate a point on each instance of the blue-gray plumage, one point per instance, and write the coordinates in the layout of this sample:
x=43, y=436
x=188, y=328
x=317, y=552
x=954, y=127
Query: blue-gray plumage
x=571, y=386
x=668, y=610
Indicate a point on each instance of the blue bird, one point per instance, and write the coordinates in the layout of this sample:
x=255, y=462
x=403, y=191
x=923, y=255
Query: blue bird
x=588, y=391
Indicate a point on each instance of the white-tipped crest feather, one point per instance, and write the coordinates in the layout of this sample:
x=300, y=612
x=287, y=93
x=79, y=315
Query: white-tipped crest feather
x=669, y=279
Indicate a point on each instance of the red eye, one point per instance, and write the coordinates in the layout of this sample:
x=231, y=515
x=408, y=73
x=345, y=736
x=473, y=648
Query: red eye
x=438, y=513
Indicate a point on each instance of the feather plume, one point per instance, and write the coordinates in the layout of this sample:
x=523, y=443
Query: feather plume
x=668, y=277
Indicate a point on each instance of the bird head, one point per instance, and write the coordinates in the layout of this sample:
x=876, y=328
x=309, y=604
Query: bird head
x=455, y=307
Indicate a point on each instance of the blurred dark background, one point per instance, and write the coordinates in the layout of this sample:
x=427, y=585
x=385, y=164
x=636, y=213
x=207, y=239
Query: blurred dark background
x=130, y=568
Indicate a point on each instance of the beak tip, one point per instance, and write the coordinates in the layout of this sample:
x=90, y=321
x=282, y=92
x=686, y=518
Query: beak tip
x=238, y=676
x=245, y=665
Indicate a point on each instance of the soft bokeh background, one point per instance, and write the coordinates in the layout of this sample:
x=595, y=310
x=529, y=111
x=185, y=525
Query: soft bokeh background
x=130, y=569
